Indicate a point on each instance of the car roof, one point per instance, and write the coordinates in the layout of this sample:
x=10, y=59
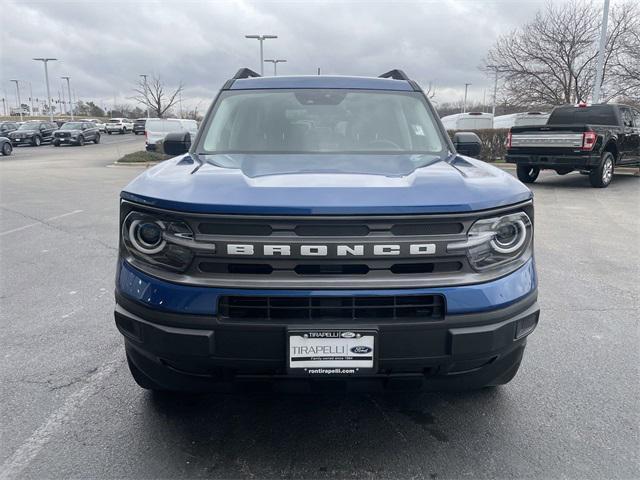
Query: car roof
x=321, y=81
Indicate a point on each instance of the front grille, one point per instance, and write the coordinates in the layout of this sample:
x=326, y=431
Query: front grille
x=330, y=269
x=327, y=251
x=331, y=308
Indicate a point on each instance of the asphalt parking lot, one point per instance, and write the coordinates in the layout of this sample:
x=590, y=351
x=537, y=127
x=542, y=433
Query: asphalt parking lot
x=71, y=410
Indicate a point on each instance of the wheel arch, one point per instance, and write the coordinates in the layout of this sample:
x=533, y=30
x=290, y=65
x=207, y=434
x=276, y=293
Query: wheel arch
x=612, y=147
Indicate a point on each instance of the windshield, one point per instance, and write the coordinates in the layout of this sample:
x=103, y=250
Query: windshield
x=322, y=121
x=71, y=126
x=595, y=115
x=29, y=126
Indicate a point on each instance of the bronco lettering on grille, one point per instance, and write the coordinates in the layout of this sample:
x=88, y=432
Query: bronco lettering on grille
x=336, y=250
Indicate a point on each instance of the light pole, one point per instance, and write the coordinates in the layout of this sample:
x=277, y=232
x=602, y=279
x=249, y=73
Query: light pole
x=46, y=79
x=146, y=99
x=275, y=64
x=31, y=98
x=69, y=91
x=600, y=64
x=17, y=82
x=261, y=39
x=464, y=105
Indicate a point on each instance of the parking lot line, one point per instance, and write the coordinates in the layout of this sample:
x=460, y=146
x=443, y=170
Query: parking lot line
x=24, y=227
x=23, y=456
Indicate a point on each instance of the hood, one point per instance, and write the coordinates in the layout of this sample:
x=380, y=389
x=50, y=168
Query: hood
x=459, y=184
x=22, y=132
x=75, y=130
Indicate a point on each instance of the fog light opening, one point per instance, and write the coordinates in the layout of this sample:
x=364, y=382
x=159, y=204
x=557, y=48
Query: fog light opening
x=526, y=325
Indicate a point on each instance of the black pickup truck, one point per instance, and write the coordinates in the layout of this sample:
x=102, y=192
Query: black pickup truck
x=592, y=139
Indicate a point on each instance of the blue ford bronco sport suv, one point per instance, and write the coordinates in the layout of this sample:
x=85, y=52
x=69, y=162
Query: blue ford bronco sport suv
x=324, y=230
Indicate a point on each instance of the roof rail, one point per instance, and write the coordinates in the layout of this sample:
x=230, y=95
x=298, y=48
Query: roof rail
x=395, y=74
x=245, y=73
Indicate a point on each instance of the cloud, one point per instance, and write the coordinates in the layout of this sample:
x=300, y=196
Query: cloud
x=104, y=46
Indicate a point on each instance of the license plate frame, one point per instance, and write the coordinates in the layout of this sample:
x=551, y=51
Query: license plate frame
x=340, y=361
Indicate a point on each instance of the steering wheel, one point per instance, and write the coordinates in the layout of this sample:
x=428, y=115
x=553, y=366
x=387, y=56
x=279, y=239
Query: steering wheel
x=382, y=142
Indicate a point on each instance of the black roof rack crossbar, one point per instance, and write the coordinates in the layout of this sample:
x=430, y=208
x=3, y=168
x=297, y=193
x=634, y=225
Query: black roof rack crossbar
x=395, y=74
x=245, y=73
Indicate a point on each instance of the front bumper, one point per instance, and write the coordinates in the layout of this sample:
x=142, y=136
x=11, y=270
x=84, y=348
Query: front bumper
x=578, y=162
x=68, y=140
x=20, y=141
x=179, y=349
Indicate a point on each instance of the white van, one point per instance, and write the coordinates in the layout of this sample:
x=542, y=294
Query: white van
x=468, y=121
x=519, y=119
x=155, y=129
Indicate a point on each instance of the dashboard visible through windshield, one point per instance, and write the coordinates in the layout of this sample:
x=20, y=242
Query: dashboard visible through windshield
x=321, y=121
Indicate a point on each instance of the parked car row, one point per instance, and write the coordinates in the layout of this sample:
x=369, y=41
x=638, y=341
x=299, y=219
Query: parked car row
x=79, y=132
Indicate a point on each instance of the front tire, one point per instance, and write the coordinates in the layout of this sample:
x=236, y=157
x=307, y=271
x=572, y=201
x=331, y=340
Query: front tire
x=80, y=141
x=528, y=173
x=56, y=143
x=601, y=176
x=97, y=139
x=108, y=132
x=7, y=149
x=36, y=141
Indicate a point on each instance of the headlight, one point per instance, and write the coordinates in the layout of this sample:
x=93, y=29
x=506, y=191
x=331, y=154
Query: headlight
x=158, y=241
x=146, y=236
x=496, y=242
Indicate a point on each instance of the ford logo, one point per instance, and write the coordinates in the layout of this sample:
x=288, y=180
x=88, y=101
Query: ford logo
x=348, y=335
x=361, y=349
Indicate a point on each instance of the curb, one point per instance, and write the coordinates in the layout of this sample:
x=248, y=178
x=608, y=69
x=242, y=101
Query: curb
x=132, y=164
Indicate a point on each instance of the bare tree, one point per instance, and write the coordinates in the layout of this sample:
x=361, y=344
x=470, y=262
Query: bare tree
x=551, y=60
x=194, y=114
x=430, y=91
x=155, y=96
x=627, y=64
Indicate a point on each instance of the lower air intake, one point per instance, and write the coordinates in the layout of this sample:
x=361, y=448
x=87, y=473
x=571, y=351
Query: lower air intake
x=331, y=308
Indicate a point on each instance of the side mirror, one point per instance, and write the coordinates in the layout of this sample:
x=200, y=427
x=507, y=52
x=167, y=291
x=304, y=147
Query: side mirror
x=467, y=143
x=176, y=143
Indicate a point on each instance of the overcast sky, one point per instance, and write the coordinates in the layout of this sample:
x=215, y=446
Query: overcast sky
x=104, y=45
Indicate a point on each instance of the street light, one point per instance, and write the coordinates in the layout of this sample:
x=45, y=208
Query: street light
x=496, y=71
x=146, y=99
x=261, y=39
x=600, y=64
x=17, y=82
x=275, y=64
x=46, y=79
x=69, y=90
x=464, y=105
